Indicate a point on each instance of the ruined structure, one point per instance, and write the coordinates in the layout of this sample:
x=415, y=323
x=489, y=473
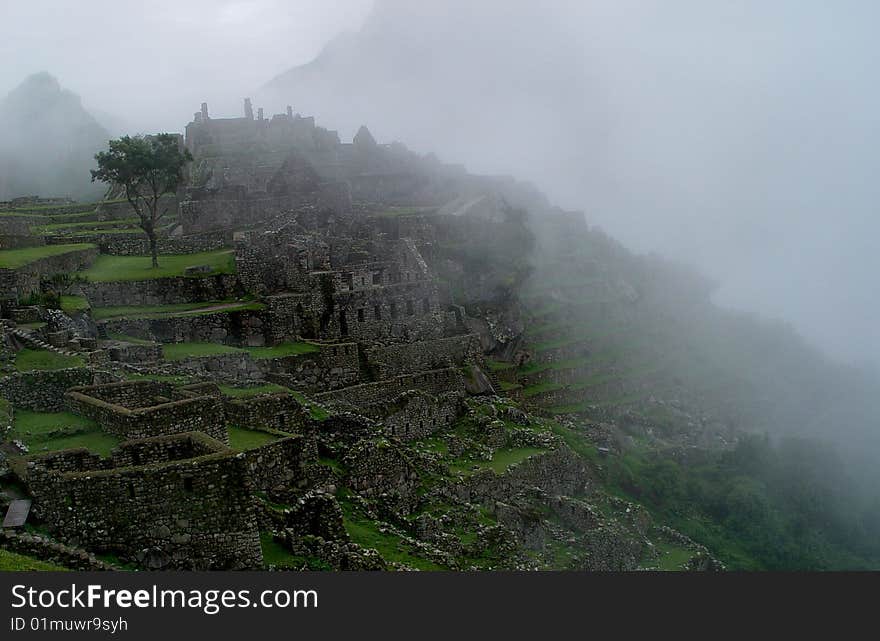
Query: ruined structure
x=331, y=359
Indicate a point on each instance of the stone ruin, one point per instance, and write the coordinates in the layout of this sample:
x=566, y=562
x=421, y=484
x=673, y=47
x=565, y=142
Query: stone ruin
x=342, y=249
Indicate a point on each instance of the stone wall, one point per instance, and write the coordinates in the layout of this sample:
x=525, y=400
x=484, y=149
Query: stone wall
x=400, y=312
x=183, y=514
x=377, y=467
x=40, y=547
x=43, y=391
x=415, y=414
x=239, y=328
x=333, y=367
x=21, y=281
x=233, y=368
x=138, y=244
x=278, y=411
x=558, y=472
x=146, y=410
x=395, y=359
x=365, y=394
x=282, y=463
x=162, y=291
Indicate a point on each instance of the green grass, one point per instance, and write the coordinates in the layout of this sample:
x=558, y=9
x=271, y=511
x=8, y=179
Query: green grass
x=74, y=304
x=132, y=268
x=366, y=533
x=501, y=461
x=576, y=441
x=28, y=360
x=498, y=366
x=42, y=431
x=92, y=224
x=244, y=439
x=315, y=411
x=13, y=562
x=180, y=351
x=277, y=555
x=13, y=258
x=284, y=349
x=169, y=311
x=540, y=388
x=248, y=392
x=672, y=558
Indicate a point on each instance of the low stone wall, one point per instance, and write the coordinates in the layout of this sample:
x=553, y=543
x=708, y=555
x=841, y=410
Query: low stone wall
x=279, y=411
x=43, y=391
x=42, y=548
x=243, y=327
x=558, y=472
x=415, y=414
x=162, y=449
x=124, y=352
x=282, y=463
x=21, y=281
x=162, y=291
x=190, y=514
x=378, y=467
x=233, y=368
x=138, y=244
x=400, y=358
x=135, y=420
x=333, y=367
x=18, y=241
x=434, y=382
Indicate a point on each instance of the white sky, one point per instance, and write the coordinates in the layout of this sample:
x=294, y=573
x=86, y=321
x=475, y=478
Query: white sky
x=110, y=50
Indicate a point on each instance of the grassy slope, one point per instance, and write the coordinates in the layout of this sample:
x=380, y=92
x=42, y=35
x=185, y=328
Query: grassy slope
x=13, y=258
x=244, y=439
x=131, y=268
x=28, y=360
x=13, y=562
x=42, y=431
x=168, y=311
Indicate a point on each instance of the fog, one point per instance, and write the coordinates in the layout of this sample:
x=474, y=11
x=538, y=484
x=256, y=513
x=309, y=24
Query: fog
x=740, y=137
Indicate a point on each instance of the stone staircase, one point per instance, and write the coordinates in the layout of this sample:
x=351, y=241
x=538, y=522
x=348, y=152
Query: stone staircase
x=30, y=339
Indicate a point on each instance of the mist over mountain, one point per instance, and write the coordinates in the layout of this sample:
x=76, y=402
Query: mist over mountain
x=47, y=142
x=738, y=137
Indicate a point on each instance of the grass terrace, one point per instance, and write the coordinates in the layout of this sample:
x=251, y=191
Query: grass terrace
x=108, y=269
x=74, y=304
x=501, y=461
x=242, y=439
x=47, y=432
x=248, y=392
x=14, y=258
x=14, y=562
x=93, y=225
x=393, y=549
x=170, y=311
x=28, y=360
x=180, y=351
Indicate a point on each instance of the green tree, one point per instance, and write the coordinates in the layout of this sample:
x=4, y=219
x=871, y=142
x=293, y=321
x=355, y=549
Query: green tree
x=146, y=167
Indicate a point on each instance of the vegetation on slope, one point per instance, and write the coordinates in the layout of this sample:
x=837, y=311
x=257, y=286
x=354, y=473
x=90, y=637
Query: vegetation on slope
x=132, y=268
x=13, y=258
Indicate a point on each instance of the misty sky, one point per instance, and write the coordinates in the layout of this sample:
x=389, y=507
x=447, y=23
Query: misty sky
x=738, y=135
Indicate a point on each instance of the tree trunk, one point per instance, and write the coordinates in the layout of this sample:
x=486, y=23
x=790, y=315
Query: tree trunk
x=151, y=234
